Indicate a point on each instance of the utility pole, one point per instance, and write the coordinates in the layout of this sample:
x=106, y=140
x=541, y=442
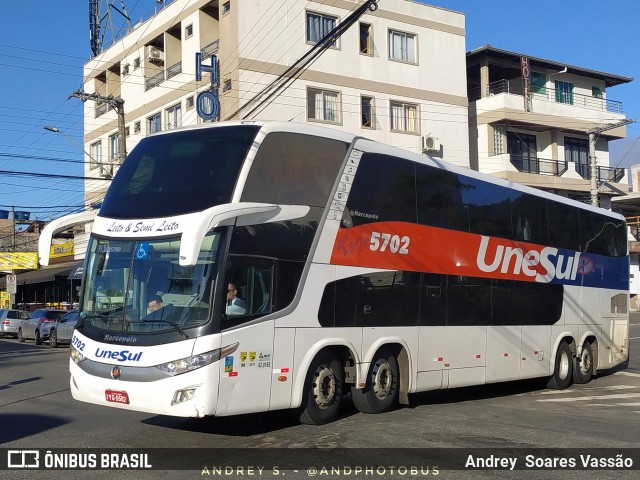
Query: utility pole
x=593, y=164
x=117, y=103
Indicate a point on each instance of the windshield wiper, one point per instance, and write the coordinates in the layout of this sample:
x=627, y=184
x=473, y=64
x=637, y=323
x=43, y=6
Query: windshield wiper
x=173, y=324
x=83, y=320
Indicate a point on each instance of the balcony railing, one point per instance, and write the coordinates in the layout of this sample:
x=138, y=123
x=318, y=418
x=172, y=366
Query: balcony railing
x=101, y=109
x=210, y=49
x=605, y=174
x=538, y=165
x=514, y=87
x=174, y=70
x=154, y=81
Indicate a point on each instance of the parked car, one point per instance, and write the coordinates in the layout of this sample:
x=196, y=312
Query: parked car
x=10, y=321
x=62, y=330
x=38, y=324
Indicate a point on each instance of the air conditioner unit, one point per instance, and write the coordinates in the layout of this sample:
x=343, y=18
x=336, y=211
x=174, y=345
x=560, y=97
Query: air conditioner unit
x=430, y=143
x=154, y=54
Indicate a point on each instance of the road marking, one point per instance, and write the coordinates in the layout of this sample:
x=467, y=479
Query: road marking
x=628, y=374
x=582, y=390
x=592, y=397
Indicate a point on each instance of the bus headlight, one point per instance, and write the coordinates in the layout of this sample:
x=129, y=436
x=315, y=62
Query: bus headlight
x=75, y=355
x=184, y=365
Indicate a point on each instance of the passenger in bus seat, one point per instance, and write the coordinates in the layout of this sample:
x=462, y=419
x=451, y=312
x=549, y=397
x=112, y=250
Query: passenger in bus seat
x=235, y=306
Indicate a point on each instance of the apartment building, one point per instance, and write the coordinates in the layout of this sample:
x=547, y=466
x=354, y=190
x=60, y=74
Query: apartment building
x=529, y=120
x=398, y=75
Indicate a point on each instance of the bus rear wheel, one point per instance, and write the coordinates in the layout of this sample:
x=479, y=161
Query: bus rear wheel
x=381, y=390
x=323, y=388
x=563, y=371
x=583, y=367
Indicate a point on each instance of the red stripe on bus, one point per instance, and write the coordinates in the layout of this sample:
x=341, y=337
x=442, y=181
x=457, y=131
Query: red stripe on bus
x=412, y=247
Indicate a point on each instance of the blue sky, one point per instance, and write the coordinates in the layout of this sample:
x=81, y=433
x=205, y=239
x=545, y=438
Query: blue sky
x=41, y=64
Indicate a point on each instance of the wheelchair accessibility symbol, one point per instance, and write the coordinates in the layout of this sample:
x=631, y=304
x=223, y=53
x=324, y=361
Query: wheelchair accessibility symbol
x=142, y=251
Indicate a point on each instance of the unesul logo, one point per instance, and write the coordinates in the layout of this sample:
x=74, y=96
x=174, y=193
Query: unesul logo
x=543, y=265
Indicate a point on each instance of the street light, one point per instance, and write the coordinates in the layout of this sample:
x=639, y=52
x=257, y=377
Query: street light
x=93, y=160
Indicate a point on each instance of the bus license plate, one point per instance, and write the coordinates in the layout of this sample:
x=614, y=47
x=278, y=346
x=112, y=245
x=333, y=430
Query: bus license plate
x=116, y=397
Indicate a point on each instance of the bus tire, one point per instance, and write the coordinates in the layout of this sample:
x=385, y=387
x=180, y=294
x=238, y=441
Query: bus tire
x=381, y=391
x=323, y=390
x=562, y=373
x=583, y=366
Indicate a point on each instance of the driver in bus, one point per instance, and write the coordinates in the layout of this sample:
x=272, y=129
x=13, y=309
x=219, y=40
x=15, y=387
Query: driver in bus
x=235, y=305
x=157, y=309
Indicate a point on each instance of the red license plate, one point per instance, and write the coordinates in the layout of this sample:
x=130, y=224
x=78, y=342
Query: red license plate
x=116, y=397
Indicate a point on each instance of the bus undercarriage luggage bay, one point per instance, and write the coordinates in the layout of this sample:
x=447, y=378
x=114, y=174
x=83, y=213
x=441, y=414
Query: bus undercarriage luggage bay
x=245, y=267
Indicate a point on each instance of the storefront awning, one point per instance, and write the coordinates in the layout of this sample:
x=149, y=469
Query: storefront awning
x=42, y=275
x=76, y=273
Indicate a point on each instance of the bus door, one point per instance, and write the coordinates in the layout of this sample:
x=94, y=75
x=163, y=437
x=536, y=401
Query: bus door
x=245, y=376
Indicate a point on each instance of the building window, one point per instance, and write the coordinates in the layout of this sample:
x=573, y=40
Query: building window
x=154, y=123
x=323, y=105
x=577, y=150
x=136, y=127
x=404, y=117
x=136, y=63
x=127, y=131
x=564, y=92
x=366, y=39
x=174, y=117
x=188, y=31
x=499, y=132
x=226, y=8
x=538, y=82
x=226, y=85
x=318, y=26
x=96, y=155
x=114, y=146
x=190, y=102
x=125, y=69
x=367, y=111
x=596, y=92
x=523, y=152
x=402, y=46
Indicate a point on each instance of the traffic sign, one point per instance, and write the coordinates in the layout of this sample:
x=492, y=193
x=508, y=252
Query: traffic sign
x=11, y=284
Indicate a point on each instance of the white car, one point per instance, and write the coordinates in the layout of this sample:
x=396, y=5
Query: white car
x=62, y=330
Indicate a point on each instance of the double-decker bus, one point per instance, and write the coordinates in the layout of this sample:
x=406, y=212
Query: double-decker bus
x=254, y=266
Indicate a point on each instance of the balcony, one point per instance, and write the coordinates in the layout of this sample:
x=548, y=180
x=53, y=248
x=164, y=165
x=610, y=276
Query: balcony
x=174, y=70
x=101, y=109
x=154, y=81
x=605, y=174
x=538, y=165
x=550, y=95
x=209, y=50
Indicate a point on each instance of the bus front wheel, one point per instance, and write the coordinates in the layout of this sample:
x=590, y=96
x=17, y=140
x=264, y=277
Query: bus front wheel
x=381, y=390
x=323, y=390
x=563, y=371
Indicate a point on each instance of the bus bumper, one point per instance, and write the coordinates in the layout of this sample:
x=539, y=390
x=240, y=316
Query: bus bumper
x=192, y=394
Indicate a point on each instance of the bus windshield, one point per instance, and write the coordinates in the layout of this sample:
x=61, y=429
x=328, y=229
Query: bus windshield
x=188, y=171
x=139, y=286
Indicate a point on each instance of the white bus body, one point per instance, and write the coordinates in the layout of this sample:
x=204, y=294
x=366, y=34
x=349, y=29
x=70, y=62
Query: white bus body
x=359, y=266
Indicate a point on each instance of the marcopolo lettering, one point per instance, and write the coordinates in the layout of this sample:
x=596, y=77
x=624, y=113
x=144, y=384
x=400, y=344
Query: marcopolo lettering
x=542, y=266
x=118, y=355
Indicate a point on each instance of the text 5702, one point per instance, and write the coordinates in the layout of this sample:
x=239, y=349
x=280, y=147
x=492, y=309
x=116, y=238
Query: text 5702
x=381, y=242
x=75, y=341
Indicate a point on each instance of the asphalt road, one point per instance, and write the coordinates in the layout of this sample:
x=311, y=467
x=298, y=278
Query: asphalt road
x=36, y=411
